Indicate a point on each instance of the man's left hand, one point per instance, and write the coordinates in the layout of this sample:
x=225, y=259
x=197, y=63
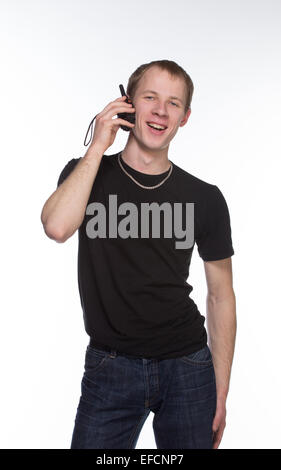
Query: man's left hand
x=219, y=422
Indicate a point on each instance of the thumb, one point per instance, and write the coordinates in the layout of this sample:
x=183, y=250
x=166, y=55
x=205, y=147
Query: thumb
x=216, y=423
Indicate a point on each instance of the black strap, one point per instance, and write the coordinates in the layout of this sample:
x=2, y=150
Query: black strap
x=90, y=126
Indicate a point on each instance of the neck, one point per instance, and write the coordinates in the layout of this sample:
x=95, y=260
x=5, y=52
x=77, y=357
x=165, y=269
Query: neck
x=151, y=162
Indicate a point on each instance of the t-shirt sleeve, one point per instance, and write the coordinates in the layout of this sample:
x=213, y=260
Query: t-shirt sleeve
x=215, y=240
x=67, y=170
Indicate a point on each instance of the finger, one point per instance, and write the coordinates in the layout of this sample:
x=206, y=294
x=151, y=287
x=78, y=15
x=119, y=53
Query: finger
x=119, y=121
x=117, y=101
x=217, y=437
x=216, y=422
x=112, y=108
x=216, y=443
x=215, y=440
x=113, y=112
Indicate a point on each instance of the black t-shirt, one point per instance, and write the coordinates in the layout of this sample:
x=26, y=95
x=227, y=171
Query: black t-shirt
x=133, y=288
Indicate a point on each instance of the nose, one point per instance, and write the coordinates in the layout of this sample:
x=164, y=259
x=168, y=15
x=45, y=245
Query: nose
x=159, y=108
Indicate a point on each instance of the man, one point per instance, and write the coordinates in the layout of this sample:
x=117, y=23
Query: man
x=139, y=216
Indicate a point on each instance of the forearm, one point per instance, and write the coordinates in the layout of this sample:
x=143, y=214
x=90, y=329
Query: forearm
x=64, y=211
x=221, y=325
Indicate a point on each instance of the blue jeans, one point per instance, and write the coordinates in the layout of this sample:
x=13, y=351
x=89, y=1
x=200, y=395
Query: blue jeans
x=119, y=391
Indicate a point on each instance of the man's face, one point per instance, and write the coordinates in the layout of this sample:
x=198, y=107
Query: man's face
x=159, y=107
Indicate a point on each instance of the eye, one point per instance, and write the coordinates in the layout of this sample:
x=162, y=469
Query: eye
x=171, y=101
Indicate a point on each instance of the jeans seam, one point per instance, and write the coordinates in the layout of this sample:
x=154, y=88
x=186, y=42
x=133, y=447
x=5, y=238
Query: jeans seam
x=131, y=440
x=197, y=363
x=98, y=366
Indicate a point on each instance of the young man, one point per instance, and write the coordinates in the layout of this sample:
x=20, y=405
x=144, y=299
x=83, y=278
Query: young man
x=139, y=216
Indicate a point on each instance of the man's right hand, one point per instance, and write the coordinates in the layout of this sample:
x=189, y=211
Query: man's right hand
x=106, y=127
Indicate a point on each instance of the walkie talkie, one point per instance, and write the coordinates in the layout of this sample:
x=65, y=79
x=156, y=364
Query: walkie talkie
x=131, y=117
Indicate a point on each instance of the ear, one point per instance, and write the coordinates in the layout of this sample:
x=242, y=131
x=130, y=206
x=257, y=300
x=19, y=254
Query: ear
x=185, y=119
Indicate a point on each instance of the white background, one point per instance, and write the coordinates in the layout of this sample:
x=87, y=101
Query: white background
x=61, y=64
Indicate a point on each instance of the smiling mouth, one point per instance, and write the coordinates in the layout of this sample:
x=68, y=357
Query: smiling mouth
x=155, y=130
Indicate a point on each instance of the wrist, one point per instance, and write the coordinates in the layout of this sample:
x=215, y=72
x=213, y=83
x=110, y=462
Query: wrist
x=222, y=394
x=94, y=152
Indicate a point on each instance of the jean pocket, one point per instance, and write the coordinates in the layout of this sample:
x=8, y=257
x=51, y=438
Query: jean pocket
x=202, y=357
x=95, y=359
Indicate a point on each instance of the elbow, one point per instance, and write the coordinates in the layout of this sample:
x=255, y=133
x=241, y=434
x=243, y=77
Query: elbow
x=221, y=295
x=52, y=230
x=54, y=233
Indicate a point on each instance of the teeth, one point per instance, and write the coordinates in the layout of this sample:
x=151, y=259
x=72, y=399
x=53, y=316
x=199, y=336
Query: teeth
x=156, y=126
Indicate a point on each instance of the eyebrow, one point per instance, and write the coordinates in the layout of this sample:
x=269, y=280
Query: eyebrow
x=155, y=93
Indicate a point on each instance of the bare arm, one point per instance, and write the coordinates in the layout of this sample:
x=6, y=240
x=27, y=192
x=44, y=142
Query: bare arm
x=221, y=319
x=221, y=324
x=64, y=210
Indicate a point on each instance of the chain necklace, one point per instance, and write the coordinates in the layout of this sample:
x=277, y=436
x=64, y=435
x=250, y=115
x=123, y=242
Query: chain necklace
x=139, y=184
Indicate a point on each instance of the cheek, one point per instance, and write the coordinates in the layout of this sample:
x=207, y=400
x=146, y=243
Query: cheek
x=140, y=118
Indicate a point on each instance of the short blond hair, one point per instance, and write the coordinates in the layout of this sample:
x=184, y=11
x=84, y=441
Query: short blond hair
x=170, y=66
